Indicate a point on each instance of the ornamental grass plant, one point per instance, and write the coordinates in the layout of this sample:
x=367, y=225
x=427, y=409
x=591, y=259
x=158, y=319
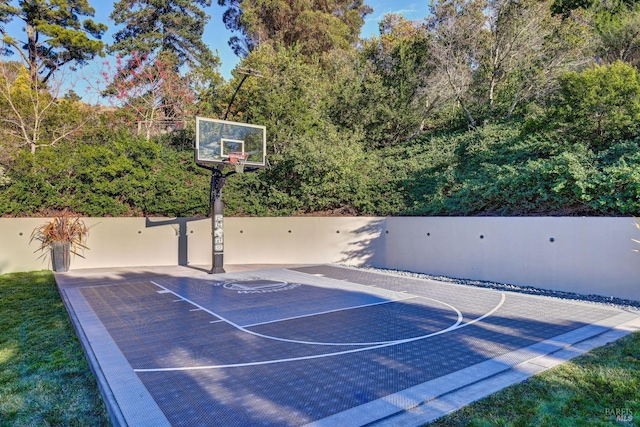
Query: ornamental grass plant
x=65, y=228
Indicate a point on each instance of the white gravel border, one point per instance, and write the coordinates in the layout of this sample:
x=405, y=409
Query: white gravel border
x=621, y=303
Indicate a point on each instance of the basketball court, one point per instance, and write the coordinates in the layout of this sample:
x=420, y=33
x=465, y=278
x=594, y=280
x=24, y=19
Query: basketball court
x=314, y=345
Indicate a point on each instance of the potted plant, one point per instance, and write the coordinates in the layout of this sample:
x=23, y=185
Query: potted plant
x=64, y=235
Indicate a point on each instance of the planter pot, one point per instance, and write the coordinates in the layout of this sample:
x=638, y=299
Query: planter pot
x=60, y=256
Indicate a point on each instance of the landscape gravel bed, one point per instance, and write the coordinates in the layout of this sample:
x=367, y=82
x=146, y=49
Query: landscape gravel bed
x=625, y=304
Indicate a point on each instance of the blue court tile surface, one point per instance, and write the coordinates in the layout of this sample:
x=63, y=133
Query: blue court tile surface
x=318, y=345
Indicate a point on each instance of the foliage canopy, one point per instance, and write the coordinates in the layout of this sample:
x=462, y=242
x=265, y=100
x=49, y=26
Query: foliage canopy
x=315, y=26
x=485, y=107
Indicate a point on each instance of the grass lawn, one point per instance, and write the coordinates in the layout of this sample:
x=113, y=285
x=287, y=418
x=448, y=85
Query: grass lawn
x=44, y=378
x=599, y=388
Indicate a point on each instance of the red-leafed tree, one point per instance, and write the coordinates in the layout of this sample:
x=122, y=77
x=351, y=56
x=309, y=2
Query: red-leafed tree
x=150, y=89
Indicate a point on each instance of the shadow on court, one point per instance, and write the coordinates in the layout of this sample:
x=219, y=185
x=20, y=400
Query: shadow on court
x=343, y=347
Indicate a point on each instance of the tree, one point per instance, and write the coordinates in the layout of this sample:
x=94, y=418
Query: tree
x=54, y=35
x=382, y=87
x=162, y=27
x=493, y=55
x=599, y=105
x=316, y=26
x=526, y=49
x=151, y=91
x=4, y=16
x=617, y=24
x=36, y=116
x=565, y=7
x=457, y=30
x=32, y=113
x=207, y=85
x=316, y=163
x=169, y=30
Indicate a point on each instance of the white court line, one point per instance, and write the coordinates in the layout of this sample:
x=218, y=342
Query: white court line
x=458, y=321
x=318, y=356
x=457, y=325
x=333, y=344
x=329, y=311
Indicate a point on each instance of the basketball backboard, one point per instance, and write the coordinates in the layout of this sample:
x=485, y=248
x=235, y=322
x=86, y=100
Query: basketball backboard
x=215, y=139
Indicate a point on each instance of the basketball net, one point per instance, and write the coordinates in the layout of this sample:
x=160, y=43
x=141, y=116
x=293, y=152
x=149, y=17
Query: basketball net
x=238, y=159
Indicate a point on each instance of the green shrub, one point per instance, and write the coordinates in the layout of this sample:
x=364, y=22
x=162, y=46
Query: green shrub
x=495, y=169
x=307, y=178
x=499, y=171
x=596, y=107
x=127, y=176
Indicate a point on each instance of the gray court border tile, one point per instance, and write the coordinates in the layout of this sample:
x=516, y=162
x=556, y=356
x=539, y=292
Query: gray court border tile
x=128, y=399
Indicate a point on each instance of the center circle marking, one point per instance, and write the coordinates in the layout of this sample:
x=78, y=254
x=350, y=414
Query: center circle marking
x=259, y=286
x=373, y=343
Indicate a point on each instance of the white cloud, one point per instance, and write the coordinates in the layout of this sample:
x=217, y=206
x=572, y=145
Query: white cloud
x=410, y=10
x=403, y=12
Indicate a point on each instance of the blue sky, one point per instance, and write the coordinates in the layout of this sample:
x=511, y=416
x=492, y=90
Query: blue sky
x=410, y=9
x=217, y=36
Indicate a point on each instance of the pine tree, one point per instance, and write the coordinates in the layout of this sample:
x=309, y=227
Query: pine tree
x=54, y=35
x=163, y=27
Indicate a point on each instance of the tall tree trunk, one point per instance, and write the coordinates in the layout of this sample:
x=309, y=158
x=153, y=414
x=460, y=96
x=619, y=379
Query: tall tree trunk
x=470, y=120
x=32, y=48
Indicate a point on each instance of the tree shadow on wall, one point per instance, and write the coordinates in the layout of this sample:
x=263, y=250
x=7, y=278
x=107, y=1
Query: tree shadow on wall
x=370, y=250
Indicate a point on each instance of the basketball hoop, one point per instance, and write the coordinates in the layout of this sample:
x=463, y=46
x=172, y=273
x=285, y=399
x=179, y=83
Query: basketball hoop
x=238, y=158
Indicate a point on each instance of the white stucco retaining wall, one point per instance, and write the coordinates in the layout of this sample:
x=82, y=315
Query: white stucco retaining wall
x=130, y=242
x=587, y=255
